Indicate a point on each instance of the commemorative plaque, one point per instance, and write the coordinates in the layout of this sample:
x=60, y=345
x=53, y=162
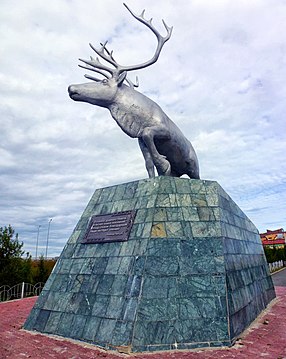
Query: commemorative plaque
x=114, y=227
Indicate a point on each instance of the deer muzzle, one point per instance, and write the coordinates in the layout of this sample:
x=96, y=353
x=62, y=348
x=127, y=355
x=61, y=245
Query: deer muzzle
x=73, y=92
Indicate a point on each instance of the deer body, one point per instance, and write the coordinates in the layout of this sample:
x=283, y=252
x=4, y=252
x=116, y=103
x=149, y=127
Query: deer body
x=162, y=143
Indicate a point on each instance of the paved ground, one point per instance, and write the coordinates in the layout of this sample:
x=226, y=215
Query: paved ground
x=265, y=338
x=279, y=278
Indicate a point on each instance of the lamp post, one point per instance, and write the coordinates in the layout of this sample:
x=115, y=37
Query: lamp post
x=47, y=245
x=37, y=241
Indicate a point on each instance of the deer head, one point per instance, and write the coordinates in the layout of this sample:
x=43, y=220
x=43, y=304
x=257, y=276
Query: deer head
x=102, y=92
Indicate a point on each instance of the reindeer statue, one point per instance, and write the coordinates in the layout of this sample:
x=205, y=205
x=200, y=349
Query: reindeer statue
x=162, y=143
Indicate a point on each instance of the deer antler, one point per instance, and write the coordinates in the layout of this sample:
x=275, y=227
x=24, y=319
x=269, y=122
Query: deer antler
x=132, y=84
x=96, y=66
x=161, y=40
x=105, y=54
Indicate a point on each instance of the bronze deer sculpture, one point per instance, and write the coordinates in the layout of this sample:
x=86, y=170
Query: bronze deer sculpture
x=162, y=143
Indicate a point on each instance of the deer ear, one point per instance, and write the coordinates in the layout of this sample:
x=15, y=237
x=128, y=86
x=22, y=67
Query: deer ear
x=121, y=78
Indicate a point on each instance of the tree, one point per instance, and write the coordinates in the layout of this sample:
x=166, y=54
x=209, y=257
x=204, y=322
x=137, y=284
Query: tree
x=15, y=269
x=26, y=269
x=275, y=254
x=9, y=247
x=42, y=272
x=10, y=256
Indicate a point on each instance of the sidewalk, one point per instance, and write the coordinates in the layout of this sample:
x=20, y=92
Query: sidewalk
x=266, y=338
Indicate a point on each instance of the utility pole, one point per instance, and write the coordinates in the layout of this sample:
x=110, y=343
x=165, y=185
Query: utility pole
x=39, y=226
x=47, y=245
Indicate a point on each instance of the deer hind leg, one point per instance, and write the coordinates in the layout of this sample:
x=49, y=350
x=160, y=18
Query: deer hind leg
x=161, y=163
x=147, y=157
x=193, y=169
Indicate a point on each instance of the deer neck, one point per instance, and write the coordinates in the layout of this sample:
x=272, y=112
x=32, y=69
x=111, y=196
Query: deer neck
x=124, y=112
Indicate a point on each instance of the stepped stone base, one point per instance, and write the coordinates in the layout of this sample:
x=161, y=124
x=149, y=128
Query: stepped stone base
x=192, y=273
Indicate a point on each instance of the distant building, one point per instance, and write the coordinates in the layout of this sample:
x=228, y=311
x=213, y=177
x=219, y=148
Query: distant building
x=276, y=238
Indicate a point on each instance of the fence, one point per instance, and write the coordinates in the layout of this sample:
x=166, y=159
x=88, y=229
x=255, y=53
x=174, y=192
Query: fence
x=23, y=290
x=275, y=266
x=19, y=291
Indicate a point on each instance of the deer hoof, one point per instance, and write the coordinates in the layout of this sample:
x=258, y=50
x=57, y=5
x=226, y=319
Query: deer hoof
x=165, y=168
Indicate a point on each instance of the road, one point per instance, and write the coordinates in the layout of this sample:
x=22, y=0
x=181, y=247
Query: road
x=279, y=278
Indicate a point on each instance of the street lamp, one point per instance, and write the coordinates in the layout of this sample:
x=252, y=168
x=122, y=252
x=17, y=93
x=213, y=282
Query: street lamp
x=37, y=241
x=47, y=245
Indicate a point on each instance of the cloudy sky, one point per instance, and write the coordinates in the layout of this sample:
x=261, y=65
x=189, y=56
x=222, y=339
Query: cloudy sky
x=221, y=78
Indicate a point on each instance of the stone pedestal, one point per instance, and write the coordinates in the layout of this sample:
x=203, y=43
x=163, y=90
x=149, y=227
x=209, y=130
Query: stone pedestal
x=192, y=273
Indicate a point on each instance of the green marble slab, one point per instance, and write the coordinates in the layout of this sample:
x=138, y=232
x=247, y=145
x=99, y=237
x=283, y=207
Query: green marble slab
x=192, y=273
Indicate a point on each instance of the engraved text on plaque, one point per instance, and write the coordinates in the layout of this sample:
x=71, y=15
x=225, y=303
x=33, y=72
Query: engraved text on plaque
x=114, y=227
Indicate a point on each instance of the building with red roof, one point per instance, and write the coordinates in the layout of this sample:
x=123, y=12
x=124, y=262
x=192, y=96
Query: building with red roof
x=275, y=238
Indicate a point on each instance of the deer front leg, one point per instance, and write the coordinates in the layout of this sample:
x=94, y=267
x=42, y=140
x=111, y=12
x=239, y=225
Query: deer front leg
x=147, y=157
x=161, y=163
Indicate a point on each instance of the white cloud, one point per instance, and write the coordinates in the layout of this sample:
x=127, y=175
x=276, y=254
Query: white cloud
x=221, y=78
